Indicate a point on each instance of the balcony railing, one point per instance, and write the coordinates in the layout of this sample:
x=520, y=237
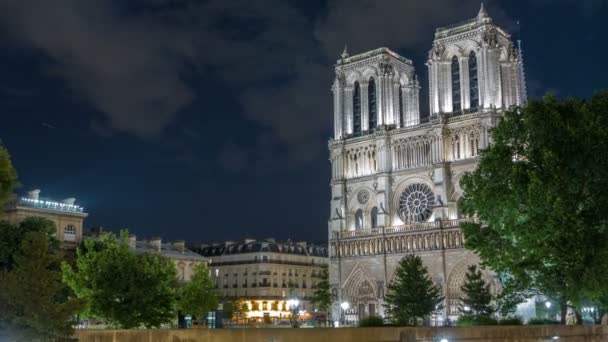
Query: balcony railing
x=408, y=227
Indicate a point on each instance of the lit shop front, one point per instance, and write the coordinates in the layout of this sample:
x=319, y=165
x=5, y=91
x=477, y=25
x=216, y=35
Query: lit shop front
x=270, y=310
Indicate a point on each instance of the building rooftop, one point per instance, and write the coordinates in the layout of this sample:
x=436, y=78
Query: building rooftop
x=266, y=245
x=346, y=59
x=34, y=201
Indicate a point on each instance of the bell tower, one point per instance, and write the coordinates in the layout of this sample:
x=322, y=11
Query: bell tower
x=474, y=67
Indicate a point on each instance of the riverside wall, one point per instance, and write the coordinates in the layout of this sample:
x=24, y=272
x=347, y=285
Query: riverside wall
x=595, y=333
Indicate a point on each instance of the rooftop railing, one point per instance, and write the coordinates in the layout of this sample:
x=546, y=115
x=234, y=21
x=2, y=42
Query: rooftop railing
x=49, y=205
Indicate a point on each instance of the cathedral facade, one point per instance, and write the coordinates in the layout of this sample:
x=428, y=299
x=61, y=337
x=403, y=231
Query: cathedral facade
x=395, y=176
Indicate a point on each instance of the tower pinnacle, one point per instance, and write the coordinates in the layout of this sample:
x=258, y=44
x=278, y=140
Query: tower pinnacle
x=345, y=52
x=482, y=12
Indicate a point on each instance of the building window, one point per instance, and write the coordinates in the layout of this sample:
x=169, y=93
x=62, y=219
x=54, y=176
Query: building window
x=371, y=100
x=265, y=258
x=181, y=271
x=403, y=123
x=357, y=109
x=456, y=148
x=375, y=217
x=473, y=81
x=474, y=147
x=359, y=219
x=455, y=85
x=69, y=233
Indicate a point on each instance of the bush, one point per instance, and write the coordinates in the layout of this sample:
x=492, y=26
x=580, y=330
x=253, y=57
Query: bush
x=470, y=321
x=511, y=321
x=371, y=321
x=542, y=321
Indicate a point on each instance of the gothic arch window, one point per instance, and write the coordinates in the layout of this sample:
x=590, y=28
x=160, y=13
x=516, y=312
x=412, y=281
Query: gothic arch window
x=474, y=146
x=403, y=123
x=455, y=85
x=374, y=217
x=69, y=233
x=371, y=100
x=473, y=81
x=359, y=219
x=357, y=109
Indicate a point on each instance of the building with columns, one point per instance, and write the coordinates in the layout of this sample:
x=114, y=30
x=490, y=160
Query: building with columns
x=395, y=175
x=66, y=214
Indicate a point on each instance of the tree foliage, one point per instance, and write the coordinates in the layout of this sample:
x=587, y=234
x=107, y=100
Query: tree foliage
x=322, y=295
x=13, y=234
x=8, y=177
x=540, y=195
x=412, y=295
x=197, y=297
x=33, y=301
x=127, y=289
x=477, y=300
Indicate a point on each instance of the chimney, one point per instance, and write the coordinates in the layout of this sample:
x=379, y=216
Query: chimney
x=155, y=243
x=34, y=194
x=180, y=245
x=69, y=201
x=132, y=240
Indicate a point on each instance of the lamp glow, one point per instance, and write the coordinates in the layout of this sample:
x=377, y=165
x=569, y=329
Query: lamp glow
x=548, y=304
x=344, y=306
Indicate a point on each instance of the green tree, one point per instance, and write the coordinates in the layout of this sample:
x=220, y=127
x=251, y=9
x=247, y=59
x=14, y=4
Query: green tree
x=412, y=295
x=33, y=305
x=477, y=300
x=12, y=236
x=197, y=297
x=127, y=289
x=322, y=295
x=8, y=178
x=239, y=310
x=539, y=194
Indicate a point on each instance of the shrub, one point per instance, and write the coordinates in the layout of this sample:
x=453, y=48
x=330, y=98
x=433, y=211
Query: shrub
x=371, y=321
x=511, y=321
x=542, y=321
x=469, y=321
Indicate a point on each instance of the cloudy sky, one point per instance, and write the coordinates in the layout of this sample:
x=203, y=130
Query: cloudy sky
x=209, y=120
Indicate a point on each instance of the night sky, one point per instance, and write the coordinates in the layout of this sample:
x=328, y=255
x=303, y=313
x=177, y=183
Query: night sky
x=209, y=120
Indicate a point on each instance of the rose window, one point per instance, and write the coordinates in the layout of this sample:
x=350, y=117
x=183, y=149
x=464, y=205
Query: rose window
x=363, y=196
x=416, y=203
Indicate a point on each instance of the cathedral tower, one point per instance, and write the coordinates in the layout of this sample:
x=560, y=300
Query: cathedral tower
x=474, y=66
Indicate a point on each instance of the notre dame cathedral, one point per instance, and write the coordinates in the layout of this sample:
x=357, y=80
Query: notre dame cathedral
x=395, y=176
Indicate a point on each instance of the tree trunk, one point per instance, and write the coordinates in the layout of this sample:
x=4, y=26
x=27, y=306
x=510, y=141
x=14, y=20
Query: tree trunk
x=563, y=308
x=605, y=319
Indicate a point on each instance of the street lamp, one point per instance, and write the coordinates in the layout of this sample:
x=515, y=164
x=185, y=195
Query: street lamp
x=344, y=305
x=293, y=304
x=548, y=304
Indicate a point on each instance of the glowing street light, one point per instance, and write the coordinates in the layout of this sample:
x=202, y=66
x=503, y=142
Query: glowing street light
x=548, y=304
x=293, y=303
x=344, y=306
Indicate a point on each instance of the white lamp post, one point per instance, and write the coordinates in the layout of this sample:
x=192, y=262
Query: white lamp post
x=344, y=305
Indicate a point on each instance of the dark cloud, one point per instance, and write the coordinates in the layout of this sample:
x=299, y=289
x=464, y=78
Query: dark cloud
x=131, y=62
x=127, y=67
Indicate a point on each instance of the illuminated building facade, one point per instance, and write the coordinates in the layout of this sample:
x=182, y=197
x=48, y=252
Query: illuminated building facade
x=395, y=175
x=266, y=274
x=66, y=214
